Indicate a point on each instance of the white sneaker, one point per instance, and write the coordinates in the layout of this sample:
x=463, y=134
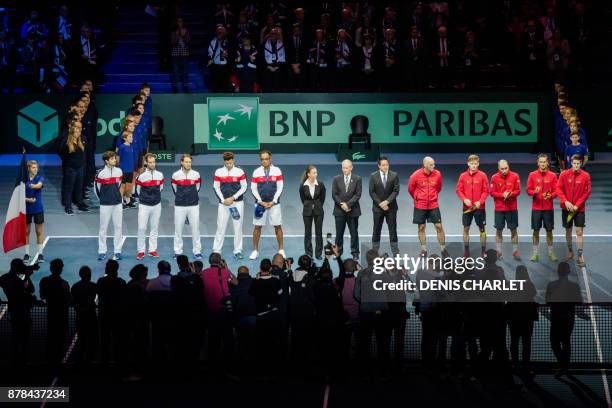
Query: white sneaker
x=282, y=252
x=254, y=255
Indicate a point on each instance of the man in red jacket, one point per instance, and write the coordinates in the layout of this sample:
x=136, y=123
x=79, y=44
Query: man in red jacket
x=573, y=189
x=505, y=188
x=542, y=186
x=424, y=186
x=472, y=189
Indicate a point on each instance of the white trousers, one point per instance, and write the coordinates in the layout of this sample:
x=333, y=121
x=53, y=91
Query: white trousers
x=108, y=212
x=223, y=216
x=180, y=214
x=146, y=214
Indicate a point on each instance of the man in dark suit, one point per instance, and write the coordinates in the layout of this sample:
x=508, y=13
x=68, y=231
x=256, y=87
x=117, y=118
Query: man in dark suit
x=296, y=58
x=384, y=188
x=346, y=192
x=416, y=61
x=442, y=60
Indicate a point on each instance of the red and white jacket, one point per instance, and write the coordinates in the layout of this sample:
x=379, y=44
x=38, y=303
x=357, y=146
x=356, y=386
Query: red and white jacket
x=574, y=187
x=547, y=181
x=499, y=185
x=474, y=187
x=424, y=189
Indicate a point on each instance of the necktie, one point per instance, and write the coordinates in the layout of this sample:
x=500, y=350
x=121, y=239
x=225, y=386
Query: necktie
x=346, y=183
x=384, y=180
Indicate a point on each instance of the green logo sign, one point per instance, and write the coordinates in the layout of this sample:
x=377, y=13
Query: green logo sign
x=232, y=123
x=37, y=124
x=358, y=156
x=164, y=156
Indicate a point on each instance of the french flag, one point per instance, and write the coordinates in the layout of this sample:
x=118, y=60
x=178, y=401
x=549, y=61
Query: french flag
x=14, y=235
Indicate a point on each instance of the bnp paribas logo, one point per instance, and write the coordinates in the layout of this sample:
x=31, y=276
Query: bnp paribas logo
x=232, y=123
x=37, y=124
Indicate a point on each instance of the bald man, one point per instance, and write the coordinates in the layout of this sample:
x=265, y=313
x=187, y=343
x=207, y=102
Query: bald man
x=505, y=188
x=346, y=192
x=424, y=186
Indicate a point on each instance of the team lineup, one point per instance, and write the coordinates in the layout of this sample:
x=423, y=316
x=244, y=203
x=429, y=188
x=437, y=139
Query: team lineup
x=572, y=188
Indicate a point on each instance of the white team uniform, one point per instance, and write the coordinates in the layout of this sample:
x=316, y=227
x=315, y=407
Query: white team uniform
x=229, y=183
x=106, y=188
x=186, y=206
x=270, y=186
x=149, y=185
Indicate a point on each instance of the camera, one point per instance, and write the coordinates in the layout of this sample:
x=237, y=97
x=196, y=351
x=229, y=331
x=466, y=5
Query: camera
x=227, y=304
x=328, y=247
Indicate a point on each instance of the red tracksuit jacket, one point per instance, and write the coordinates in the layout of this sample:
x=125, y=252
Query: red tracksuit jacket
x=547, y=182
x=501, y=184
x=424, y=189
x=474, y=187
x=574, y=187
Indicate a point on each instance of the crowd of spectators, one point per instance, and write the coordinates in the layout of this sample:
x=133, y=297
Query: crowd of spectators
x=51, y=48
x=392, y=47
x=253, y=322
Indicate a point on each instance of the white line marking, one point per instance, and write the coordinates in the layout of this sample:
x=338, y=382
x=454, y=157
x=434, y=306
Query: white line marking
x=3, y=311
x=604, y=378
x=326, y=396
x=346, y=236
x=64, y=361
x=33, y=261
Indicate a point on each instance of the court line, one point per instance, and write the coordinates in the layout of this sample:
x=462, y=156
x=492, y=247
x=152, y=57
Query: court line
x=346, y=236
x=64, y=361
x=326, y=396
x=604, y=377
x=3, y=311
x=35, y=259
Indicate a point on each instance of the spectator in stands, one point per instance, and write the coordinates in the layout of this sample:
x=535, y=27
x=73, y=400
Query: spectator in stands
x=30, y=58
x=267, y=290
x=55, y=291
x=34, y=28
x=188, y=290
x=219, y=62
x=391, y=62
x=558, y=52
x=84, y=301
x=180, y=40
x=246, y=65
x=217, y=278
x=522, y=311
x=162, y=312
x=562, y=295
x=18, y=289
x=110, y=297
x=60, y=61
x=415, y=61
x=368, y=58
x=7, y=61
x=136, y=320
x=533, y=51
x=245, y=315
x=442, y=59
x=296, y=57
x=364, y=28
x=63, y=24
x=89, y=54
x=470, y=61
x=275, y=60
x=319, y=58
x=344, y=57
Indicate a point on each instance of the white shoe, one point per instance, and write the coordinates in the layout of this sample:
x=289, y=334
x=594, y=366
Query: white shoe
x=254, y=255
x=282, y=252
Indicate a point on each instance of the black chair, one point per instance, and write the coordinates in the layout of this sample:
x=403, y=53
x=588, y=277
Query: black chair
x=359, y=127
x=157, y=133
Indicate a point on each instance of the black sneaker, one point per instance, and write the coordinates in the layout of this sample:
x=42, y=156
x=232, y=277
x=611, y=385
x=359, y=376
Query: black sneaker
x=124, y=206
x=40, y=259
x=84, y=209
x=26, y=258
x=69, y=211
x=131, y=204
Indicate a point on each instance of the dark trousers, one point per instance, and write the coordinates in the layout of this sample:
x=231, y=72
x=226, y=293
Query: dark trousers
x=433, y=343
x=296, y=82
x=560, y=340
x=21, y=324
x=369, y=324
x=521, y=331
x=87, y=331
x=111, y=336
x=57, y=327
x=391, y=218
x=267, y=338
x=318, y=222
x=274, y=81
x=220, y=331
x=220, y=76
x=179, y=73
x=73, y=187
x=353, y=225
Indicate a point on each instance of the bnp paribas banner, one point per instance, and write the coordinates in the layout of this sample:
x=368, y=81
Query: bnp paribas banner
x=246, y=122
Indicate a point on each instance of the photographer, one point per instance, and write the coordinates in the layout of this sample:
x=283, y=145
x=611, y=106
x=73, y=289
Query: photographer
x=345, y=284
x=397, y=312
x=217, y=279
x=267, y=291
x=301, y=308
x=56, y=293
x=280, y=269
x=18, y=289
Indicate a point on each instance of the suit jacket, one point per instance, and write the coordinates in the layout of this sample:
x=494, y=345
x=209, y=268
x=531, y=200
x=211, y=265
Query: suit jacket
x=294, y=55
x=389, y=192
x=351, y=197
x=415, y=56
x=312, y=205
